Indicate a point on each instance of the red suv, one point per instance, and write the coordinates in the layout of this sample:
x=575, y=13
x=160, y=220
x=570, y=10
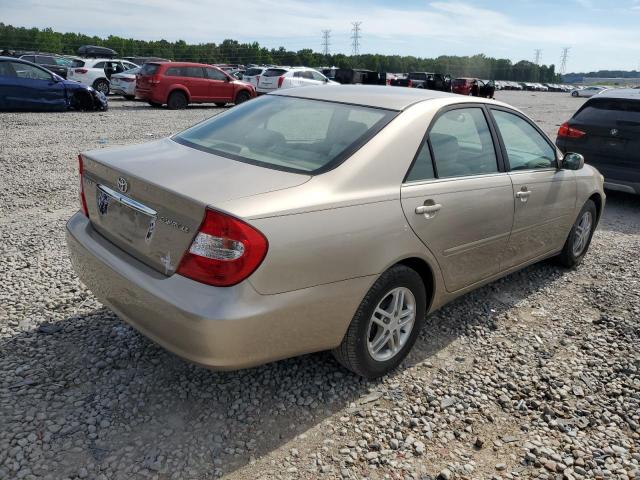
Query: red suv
x=462, y=86
x=179, y=83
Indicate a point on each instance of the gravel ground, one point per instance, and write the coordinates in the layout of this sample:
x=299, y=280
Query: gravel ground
x=533, y=376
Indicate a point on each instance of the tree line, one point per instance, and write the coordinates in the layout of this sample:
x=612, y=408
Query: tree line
x=232, y=51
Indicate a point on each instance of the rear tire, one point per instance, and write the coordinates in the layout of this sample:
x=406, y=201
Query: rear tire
x=579, y=239
x=242, y=97
x=102, y=86
x=177, y=101
x=358, y=351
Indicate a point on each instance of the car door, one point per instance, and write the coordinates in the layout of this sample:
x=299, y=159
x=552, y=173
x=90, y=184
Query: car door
x=197, y=83
x=34, y=88
x=544, y=195
x=220, y=87
x=457, y=197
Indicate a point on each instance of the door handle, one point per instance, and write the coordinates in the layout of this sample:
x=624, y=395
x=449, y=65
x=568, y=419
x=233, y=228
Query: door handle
x=429, y=210
x=523, y=195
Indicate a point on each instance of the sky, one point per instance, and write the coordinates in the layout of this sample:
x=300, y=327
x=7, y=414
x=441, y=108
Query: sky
x=601, y=34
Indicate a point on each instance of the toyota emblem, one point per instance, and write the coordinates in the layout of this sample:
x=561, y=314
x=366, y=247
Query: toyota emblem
x=123, y=186
x=614, y=132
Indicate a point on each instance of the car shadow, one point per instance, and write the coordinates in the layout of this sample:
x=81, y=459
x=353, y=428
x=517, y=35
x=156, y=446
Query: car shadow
x=621, y=213
x=142, y=406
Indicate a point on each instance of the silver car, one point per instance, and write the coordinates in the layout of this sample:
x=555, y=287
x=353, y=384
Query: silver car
x=324, y=218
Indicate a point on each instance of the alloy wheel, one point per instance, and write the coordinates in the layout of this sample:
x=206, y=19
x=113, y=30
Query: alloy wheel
x=391, y=324
x=582, y=233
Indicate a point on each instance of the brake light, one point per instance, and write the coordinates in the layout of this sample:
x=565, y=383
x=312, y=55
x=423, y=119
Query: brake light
x=155, y=80
x=569, y=132
x=409, y=83
x=280, y=80
x=83, y=200
x=81, y=70
x=226, y=251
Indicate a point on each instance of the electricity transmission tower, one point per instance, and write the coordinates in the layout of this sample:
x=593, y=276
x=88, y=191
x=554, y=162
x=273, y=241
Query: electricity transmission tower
x=538, y=52
x=563, y=60
x=355, y=37
x=326, y=35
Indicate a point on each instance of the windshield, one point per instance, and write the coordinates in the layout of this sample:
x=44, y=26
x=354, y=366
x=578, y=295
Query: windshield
x=285, y=133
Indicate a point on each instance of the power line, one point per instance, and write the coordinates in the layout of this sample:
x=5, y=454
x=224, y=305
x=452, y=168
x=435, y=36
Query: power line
x=326, y=35
x=563, y=60
x=538, y=52
x=355, y=37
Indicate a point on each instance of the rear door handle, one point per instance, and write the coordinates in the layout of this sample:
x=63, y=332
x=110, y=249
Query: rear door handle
x=425, y=209
x=523, y=195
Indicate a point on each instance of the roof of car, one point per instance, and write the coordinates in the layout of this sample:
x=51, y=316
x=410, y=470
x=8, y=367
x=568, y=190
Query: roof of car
x=624, y=93
x=379, y=96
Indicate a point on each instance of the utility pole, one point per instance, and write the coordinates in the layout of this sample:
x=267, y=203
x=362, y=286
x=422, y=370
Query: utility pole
x=563, y=60
x=538, y=52
x=326, y=36
x=355, y=37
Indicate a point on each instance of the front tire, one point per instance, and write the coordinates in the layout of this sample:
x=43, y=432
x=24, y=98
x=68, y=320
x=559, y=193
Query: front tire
x=177, y=101
x=102, y=86
x=574, y=94
x=386, y=324
x=579, y=238
x=242, y=97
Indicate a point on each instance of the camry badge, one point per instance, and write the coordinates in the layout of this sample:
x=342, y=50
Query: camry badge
x=123, y=186
x=614, y=132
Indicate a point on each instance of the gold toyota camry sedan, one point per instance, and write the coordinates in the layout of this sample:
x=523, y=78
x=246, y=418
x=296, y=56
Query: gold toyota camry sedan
x=324, y=218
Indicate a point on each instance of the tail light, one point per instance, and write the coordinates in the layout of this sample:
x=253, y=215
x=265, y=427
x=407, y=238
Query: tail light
x=83, y=200
x=81, y=70
x=226, y=251
x=280, y=80
x=409, y=83
x=155, y=80
x=566, y=131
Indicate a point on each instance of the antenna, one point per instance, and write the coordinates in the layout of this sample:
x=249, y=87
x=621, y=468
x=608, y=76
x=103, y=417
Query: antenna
x=537, y=52
x=355, y=36
x=563, y=60
x=326, y=35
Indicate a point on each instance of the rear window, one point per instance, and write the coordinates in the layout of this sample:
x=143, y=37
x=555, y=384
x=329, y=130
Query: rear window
x=291, y=134
x=252, y=72
x=149, y=69
x=274, y=72
x=609, y=111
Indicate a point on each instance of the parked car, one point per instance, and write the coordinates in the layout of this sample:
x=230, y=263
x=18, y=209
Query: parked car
x=177, y=84
x=237, y=74
x=605, y=130
x=462, y=86
x=250, y=237
x=50, y=62
x=289, y=77
x=143, y=60
x=125, y=83
x=587, y=91
x=252, y=75
x=482, y=88
x=431, y=81
x=97, y=72
x=27, y=86
x=362, y=76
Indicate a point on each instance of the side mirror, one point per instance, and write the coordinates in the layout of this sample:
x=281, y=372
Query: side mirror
x=572, y=161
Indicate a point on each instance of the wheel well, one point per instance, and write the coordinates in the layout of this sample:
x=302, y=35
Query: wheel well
x=243, y=90
x=597, y=199
x=425, y=272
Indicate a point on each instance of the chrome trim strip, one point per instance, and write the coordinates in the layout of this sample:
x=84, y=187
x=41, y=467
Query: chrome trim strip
x=129, y=202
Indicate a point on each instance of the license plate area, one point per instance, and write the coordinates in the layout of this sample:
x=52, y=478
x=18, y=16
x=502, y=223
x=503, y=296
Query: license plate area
x=125, y=217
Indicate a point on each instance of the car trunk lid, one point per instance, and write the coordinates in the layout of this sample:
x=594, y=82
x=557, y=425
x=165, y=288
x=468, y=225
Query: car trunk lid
x=150, y=199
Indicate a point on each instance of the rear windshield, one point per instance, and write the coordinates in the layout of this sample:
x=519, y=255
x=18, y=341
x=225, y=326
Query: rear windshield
x=291, y=134
x=609, y=111
x=252, y=72
x=274, y=72
x=149, y=69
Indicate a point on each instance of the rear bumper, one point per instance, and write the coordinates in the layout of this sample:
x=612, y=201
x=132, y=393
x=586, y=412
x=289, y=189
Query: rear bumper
x=221, y=328
x=622, y=186
x=148, y=95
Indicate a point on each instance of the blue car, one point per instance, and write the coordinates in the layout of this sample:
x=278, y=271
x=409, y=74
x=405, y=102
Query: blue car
x=28, y=87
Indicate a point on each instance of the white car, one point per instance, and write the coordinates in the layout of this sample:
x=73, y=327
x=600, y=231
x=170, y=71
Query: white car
x=252, y=74
x=290, y=77
x=96, y=72
x=125, y=83
x=587, y=92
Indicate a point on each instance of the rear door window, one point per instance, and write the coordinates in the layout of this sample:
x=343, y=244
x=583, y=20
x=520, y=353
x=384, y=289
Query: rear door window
x=24, y=70
x=194, y=72
x=6, y=70
x=462, y=144
x=100, y=65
